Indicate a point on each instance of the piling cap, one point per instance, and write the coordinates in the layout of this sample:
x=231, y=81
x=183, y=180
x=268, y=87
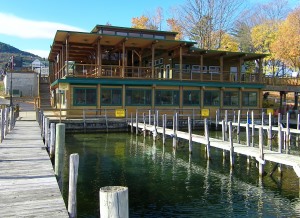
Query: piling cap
x=113, y=189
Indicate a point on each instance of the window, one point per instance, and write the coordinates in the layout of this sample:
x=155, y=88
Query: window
x=212, y=98
x=138, y=97
x=167, y=97
x=231, y=98
x=111, y=96
x=191, y=97
x=249, y=98
x=85, y=96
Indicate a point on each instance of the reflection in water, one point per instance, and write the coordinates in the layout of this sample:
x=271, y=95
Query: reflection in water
x=163, y=182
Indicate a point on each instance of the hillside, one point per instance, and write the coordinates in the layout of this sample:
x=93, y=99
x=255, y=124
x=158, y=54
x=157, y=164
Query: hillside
x=6, y=51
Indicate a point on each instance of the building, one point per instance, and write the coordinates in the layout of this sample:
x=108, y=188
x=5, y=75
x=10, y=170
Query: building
x=127, y=68
x=40, y=67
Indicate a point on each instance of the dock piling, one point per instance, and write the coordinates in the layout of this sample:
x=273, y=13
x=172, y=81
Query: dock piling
x=52, y=140
x=190, y=135
x=73, y=174
x=231, y=144
x=207, y=138
x=260, y=159
x=59, y=152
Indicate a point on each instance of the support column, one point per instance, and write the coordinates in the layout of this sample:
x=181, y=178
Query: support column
x=201, y=68
x=221, y=68
x=295, y=101
x=180, y=62
x=152, y=57
x=67, y=55
x=123, y=60
x=99, y=57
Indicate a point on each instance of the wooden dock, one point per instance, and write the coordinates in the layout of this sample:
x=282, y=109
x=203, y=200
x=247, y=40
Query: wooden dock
x=249, y=151
x=28, y=187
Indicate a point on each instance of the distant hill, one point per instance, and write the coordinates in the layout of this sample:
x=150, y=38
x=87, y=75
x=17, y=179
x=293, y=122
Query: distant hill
x=6, y=51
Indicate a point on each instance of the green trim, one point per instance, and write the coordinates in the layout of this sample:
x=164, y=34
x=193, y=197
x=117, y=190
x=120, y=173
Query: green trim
x=143, y=82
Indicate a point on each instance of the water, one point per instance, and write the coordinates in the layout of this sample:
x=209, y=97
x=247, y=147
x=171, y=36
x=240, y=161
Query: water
x=162, y=183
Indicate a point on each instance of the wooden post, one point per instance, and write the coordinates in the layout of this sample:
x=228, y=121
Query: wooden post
x=279, y=133
x=262, y=118
x=59, y=151
x=6, y=120
x=231, y=144
x=174, y=131
x=223, y=130
x=234, y=116
x=113, y=202
x=253, y=128
x=131, y=122
x=157, y=114
x=298, y=121
x=190, y=135
x=136, y=123
x=247, y=134
x=270, y=132
x=217, y=118
x=238, y=127
x=149, y=117
x=11, y=118
x=287, y=134
x=2, y=125
x=261, y=152
x=164, y=128
x=46, y=137
x=144, y=120
x=52, y=140
x=226, y=124
x=207, y=138
x=73, y=174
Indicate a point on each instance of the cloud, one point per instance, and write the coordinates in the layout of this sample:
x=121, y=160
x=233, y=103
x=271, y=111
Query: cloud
x=29, y=29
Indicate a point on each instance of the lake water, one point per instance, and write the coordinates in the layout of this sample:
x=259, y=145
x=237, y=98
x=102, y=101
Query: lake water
x=164, y=183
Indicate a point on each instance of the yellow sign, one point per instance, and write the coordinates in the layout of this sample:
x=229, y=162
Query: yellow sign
x=120, y=113
x=63, y=86
x=270, y=110
x=205, y=112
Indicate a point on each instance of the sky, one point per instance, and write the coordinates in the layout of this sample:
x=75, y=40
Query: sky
x=30, y=25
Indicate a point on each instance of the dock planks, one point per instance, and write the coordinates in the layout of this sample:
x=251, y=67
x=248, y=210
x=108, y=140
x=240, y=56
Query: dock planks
x=28, y=187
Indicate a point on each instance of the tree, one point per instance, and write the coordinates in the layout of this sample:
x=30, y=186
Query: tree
x=286, y=47
x=140, y=22
x=175, y=27
x=206, y=21
x=229, y=43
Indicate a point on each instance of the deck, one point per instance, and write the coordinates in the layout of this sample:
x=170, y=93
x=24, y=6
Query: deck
x=28, y=187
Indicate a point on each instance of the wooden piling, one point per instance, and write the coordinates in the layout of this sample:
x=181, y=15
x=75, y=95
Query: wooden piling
x=59, y=151
x=174, y=131
x=261, y=152
x=131, y=122
x=144, y=121
x=217, y=118
x=149, y=117
x=164, y=129
x=6, y=121
x=2, y=125
x=52, y=140
x=136, y=123
x=11, y=118
x=206, y=131
x=190, y=135
x=113, y=202
x=247, y=135
x=270, y=132
x=238, y=127
x=73, y=174
x=253, y=128
x=223, y=130
x=279, y=134
x=46, y=130
x=231, y=144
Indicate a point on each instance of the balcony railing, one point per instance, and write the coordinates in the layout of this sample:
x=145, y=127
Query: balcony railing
x=114, y=71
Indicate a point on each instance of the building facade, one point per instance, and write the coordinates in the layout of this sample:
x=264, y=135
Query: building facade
x=126, y=68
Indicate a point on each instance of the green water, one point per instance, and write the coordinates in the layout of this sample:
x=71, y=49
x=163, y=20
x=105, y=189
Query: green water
x=163, y=183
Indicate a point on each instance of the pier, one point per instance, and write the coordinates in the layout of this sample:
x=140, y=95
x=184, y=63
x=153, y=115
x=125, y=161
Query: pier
x=260, y=153
x=28, y=187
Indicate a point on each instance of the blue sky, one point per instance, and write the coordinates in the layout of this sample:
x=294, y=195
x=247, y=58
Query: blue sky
x=30, y=25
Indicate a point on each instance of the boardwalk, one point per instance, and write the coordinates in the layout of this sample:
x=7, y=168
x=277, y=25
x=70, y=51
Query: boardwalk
x=273, y=156
x=28, y=186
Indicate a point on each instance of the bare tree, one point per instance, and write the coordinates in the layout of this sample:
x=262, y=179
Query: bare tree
x=206, y=21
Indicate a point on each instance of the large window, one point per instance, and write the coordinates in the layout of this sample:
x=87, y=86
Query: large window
x=249, y=98
x=211, y=98
x=137, y=97
x=85, y=96
x=111, y=96
x=191, y=97
x=167, y=97
x=231, y=98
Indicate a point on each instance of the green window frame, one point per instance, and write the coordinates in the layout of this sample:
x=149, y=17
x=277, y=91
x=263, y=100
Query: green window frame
x=111, y=96
x=231, y=98
x=84, y=96
x=138, y=97
x=249, y=99
x=167, y=98
x=191, y=98
x=211, y=98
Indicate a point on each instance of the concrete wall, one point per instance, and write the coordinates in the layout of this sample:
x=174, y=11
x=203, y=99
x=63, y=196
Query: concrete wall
x=26, y=83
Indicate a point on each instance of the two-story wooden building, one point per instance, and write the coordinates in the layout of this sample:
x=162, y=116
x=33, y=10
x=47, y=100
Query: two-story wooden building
x=117, y=67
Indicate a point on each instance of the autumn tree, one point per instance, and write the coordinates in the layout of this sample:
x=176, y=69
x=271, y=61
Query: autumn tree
x=152, y=21
x=229, y=43
x=286, y=47
x=174, y=26
x=140, y=22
